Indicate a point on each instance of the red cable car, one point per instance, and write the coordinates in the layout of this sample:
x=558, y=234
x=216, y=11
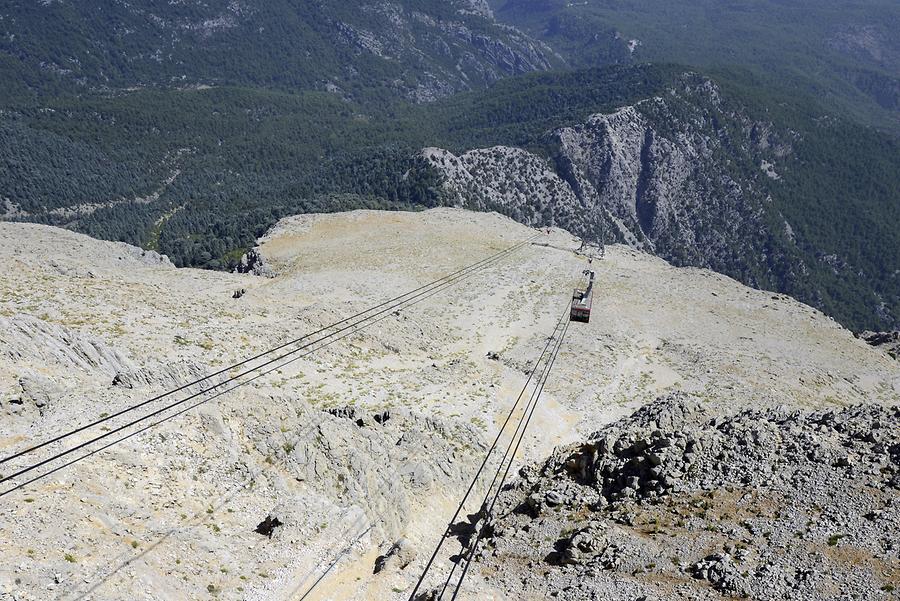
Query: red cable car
x=582, y=298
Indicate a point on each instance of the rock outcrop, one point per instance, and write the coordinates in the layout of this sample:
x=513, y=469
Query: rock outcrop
x=889, y=342
x=400, y=555
x=254, y=262
x=168, y=375
x=38, y=392
x=760, y=504
x=373, y=458
x=24, y=337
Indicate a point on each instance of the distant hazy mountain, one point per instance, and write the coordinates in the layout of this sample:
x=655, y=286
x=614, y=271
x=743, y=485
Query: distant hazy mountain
x=421, y=49
x=848, y=54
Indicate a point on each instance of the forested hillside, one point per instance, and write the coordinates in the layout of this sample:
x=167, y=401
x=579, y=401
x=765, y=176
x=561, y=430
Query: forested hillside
x=847, y=54
x=192, y=127
x=419, y=49
x=162, y=163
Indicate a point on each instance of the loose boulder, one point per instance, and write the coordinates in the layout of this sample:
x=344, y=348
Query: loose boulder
x=267, y=526
x=400, y=555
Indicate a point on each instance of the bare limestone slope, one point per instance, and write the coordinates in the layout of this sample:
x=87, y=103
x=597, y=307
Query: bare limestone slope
x=344, y=452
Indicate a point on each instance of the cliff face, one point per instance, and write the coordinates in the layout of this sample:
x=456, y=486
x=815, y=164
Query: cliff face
x=507, y=180
x=683, y=176
x=680, y=176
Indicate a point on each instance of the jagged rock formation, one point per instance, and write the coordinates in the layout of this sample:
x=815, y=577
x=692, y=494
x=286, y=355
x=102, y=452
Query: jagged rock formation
x=889, y=342
x=679, y=499
x=26, y=338
x=681, y=176
x=687, y=175
x=174, y=376
x=370, y=457
x=255, y=263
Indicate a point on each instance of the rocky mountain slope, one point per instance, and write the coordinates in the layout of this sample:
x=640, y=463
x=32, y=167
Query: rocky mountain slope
x=849, y=56
x=339, y=456
x=417, y=50
x=659, y=174
x=689, y=175
x=678, y=501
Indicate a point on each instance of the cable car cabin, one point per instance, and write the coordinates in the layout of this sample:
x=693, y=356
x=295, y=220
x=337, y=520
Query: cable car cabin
x=581, y=299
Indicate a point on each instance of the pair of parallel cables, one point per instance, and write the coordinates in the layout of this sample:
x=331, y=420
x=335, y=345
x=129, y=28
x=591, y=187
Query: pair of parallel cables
x=272, y=360
x=485, y=514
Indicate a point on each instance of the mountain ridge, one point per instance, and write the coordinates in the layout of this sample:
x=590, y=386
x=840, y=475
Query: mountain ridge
x=848, y=57
x=417, y=49
x=691, y=176
x=197, y=149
